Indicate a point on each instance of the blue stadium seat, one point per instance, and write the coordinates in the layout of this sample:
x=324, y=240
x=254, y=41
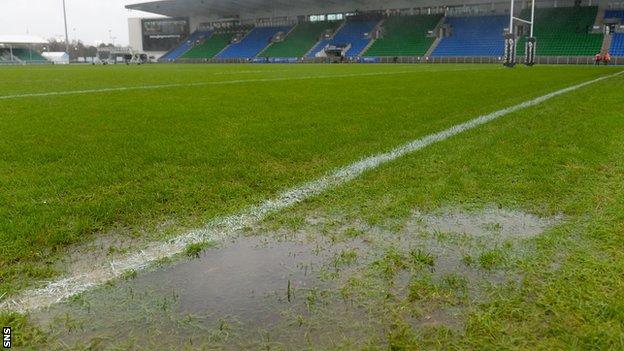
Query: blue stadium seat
x=253, y=43
x=617, y=41
x=318, y=47
x=354, y=33
x=474, y=36
x=185, y=46
x=617, y=44
x=615, y=14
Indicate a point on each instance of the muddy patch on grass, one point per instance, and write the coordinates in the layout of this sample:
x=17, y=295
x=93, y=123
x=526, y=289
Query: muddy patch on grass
x=335, y=281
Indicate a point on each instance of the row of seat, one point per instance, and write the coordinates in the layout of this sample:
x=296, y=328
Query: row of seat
x=356, y=35
x=300, y=40
x=405, y=36
x=21, y=54
x=185, y=45
x=617, y=40
x=253, y=43
x=210, y=46
x=615, y=14
x=617, y=44
x=474, y=36
x=564, y=32
x=559, y=31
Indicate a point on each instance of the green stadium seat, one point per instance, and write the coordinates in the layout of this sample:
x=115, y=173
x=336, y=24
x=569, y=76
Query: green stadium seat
x=210, y=47
x=28, y=55
x=300, y=40
x=404, y=36
x=564, y=31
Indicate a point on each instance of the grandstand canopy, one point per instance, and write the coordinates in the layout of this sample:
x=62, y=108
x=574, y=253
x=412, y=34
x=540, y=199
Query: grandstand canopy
x=21, y=39
x=231, y=8
x=224, y=8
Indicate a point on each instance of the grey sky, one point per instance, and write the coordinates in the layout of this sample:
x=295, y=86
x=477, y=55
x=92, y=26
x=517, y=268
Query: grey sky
x=92, y=19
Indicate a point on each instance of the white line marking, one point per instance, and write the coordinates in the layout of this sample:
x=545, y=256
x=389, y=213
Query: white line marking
x=219, y=229
x=185, y=85
x=256, y=71
x=198, y=84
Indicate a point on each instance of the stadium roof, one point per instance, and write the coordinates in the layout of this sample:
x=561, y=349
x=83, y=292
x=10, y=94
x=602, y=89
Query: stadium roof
x=225, y=8
x=21, y=39
x=231, y=8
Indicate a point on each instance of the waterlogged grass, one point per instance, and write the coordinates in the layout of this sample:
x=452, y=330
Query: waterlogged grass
x=491, y=259
x=563, y=157
x=74, y=167
x=421, y=257
x=24, y=333
x=194, y=250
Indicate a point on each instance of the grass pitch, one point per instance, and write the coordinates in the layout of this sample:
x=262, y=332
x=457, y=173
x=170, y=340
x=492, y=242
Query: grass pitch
x=155, y=160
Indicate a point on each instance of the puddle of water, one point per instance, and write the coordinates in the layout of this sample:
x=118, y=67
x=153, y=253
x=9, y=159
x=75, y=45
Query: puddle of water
x=235, y=294
x=281, y=289
x=446, y=317
x=488, y=222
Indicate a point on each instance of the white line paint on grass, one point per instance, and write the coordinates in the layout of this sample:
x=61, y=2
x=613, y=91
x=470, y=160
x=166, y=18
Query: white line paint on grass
x=221, y=228
x=198, y=84
x=212, y=83
x=225, y=73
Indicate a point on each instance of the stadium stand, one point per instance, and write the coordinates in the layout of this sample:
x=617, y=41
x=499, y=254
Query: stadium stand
x=617, y=39
x=474, y=36
x=617, y=44
x=300, y=40
x=5, y=56
x=404, y=36
x=210, y=47
x=564, y=31
x=253, y=43
x=24, y=55
x=353, y=32
x=318, y=47
x=185, y=45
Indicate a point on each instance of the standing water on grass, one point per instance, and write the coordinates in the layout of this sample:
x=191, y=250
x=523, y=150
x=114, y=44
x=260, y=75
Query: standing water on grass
x=334, y=283
x=250, y=293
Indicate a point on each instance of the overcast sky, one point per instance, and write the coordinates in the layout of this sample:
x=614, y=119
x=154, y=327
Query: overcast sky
x=88, y=20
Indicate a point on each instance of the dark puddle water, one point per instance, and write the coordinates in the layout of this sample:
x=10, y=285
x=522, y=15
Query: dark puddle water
x=255, y=292
x=260, y=292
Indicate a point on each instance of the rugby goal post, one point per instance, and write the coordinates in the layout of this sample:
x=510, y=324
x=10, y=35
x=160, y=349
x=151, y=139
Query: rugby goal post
x=511, y=37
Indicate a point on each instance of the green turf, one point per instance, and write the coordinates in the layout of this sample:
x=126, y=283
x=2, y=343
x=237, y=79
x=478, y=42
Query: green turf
x=548, y=160
x=74, y=167
x=78, y=166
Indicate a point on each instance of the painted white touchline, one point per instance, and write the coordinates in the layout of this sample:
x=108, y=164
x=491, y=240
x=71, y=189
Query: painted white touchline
x=221, y=228
x=198, y=84
x=256, y=71
x=184, y=85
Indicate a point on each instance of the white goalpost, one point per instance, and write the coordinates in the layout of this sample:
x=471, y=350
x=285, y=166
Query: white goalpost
x=511, y=38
